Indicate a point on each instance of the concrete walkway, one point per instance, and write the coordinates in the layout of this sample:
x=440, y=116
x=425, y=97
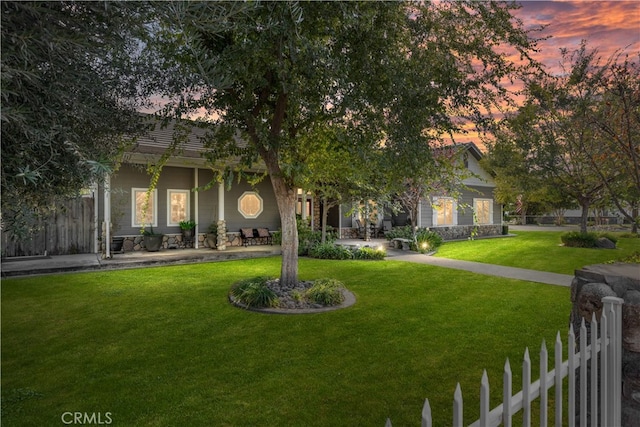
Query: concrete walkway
x=489, y=269
x=28, y=266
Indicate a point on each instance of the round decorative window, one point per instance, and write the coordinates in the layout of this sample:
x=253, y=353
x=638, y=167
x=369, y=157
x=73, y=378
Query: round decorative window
x=250, y=204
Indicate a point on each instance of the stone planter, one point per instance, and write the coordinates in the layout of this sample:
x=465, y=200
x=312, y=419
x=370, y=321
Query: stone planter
x=153, y=242
x=116, y=244
x=212, y=240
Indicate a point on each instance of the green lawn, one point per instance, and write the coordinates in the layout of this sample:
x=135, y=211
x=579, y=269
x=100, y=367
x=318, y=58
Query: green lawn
x=535, y=250
x=162, y=346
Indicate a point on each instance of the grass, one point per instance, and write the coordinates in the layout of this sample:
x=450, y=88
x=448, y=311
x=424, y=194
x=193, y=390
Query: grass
x=535, y=250
x=162, y=346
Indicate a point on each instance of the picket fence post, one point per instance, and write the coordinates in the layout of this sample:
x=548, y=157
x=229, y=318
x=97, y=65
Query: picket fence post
x=606, y=342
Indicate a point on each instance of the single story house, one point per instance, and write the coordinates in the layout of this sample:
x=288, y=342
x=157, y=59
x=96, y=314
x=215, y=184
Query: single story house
x=185, y=191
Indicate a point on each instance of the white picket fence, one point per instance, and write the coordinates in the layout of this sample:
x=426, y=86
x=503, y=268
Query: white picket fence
x=606, y=402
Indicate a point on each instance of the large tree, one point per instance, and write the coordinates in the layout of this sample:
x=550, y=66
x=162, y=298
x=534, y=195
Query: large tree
x=394, y=75
x=69, y=94
x=614, y=116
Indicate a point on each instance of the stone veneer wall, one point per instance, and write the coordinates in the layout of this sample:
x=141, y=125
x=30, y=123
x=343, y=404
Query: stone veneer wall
x=136, y=243
x=457, y=232
x=589, y=286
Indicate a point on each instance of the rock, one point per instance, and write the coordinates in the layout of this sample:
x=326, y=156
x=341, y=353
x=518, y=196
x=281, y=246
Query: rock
x=631, y=321
x=605, y=243
x=590, y=299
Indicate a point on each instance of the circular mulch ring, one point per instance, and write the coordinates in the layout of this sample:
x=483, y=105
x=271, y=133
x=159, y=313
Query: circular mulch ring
x=349, y=300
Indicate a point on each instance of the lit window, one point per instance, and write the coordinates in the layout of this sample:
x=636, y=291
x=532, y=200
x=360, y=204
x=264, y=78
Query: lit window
x=144, y=209
x=445, y=209
x=483, y=209
x=250, y=204
x=177, y=207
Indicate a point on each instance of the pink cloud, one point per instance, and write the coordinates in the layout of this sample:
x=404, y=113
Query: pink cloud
x=606, y=25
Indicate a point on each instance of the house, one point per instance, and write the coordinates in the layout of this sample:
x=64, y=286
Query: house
x=185, y=190
x=118, y=206
x=475, y=212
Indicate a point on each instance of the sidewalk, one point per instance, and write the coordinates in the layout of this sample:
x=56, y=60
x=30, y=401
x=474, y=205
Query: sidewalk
x=490, y=269
x=28, y=266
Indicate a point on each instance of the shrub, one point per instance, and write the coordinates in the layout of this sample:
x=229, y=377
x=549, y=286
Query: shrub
x=329, y=251
x=400, y=233
x=307, y=238
x=575, y=239
x=254, y=292
x=326, y=292
x=369, y=253
x=427, y=240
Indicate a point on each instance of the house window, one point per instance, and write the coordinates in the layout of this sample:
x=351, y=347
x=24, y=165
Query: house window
x=144, y=209
x=483, y=209
x=177, y=207
x=445, y=211
x=250, y=204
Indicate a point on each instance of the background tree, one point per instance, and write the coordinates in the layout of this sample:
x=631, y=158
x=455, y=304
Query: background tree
x=614, y=116
x=394, y=75
x=548, y=138
x=69, y=96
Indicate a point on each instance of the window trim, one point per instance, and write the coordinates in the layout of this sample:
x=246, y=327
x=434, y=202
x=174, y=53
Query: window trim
x=188, y=211
x=475, y=210
x=454, y=213
x=154, y=207
x=261, y=201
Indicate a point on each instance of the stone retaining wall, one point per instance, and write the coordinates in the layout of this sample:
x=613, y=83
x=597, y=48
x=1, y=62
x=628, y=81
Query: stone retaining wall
x=589, y=286
x=459, y=232
x=136, y=243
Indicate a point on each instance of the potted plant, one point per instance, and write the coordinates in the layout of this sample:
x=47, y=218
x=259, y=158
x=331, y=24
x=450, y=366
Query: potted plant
x=187, y=227
x=212, y=235
x=152, y=240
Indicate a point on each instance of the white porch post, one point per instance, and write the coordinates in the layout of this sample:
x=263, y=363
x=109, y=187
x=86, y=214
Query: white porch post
x=96, y=207
x=107, y=216
x=221, y=201
x=222, y=224
x=340, y=221
x=196, y=216
x=419, y=221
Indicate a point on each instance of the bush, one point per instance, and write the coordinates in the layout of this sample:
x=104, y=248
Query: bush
x=400, y=233
x=575, y=239
x=329, y=251
x=369, y=253
x=307, y=238
x=426, y=240
x=254, y=292
x=326, y=292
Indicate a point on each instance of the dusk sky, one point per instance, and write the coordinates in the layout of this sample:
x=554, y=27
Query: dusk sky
x=606, y=25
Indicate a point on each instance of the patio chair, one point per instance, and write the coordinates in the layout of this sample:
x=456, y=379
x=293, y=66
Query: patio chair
x=386, y=227
x=360, y=229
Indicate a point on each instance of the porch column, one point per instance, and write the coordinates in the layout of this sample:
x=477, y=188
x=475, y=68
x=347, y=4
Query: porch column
x=107, y=216
x=419, y=221
x=196, y=216
x=222, y=224
x=96, y=223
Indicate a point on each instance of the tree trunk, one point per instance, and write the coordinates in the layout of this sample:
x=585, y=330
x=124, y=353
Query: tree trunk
x=286, y=200
x=585, y=215
x=325, y=214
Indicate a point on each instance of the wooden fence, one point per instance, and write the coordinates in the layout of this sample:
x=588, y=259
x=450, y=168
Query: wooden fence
x=68, y=230
x=604, y=381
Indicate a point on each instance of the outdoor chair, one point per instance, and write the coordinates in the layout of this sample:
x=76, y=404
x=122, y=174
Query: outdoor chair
x=386, y=227
x=360, y=229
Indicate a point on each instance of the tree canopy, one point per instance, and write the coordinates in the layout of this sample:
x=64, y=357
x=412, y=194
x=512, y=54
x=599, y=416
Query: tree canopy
x=576, y=136
x=69, y=95
x=395, y=77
